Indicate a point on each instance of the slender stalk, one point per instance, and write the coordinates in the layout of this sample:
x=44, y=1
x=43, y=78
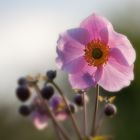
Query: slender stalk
x=71, y=115
x=93, y=130
x=101, y=118
x=59, y=137
x=85, y=113
x=45, y=102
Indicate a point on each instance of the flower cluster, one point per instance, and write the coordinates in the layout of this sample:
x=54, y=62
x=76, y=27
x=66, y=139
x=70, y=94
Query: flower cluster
x=36, y=109
x=94, y=56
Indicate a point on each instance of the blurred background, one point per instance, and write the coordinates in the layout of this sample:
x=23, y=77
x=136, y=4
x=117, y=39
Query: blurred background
x=28, y=33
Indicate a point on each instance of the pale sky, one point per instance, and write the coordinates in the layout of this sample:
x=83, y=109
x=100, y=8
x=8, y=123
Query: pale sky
x=29, y=30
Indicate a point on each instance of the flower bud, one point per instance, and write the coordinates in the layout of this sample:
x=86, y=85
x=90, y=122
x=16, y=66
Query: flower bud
x=23, y=93
x=51, y=74
x=22, y=81
x=47, y=92
x=110, y=109
x=72, y=109
x=24, y=110
x=78, y=100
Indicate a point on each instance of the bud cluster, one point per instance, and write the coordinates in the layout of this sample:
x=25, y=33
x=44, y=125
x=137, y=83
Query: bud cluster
x=47, y=93
x=48, y=102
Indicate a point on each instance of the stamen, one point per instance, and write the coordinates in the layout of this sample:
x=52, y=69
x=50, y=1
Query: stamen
x=96, y=53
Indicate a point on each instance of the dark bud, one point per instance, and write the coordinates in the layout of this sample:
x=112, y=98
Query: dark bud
x=23, y=93
x=78, y=100
x=47, y=92
x=51, y=74
x=72, y=109
x=110, y=109
x=22, y=81
x=24, y=110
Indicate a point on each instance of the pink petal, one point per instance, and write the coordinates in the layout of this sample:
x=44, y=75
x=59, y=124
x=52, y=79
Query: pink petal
x=61, y=116
x=98, y=74
x=85, y=78
x=118, y=56
x=115, y=76
x=124, y=48
x=127, y=71
x=72, y=66
x=80, y=35
x=40, y=122
x=97, y=27
x=70, y=54
x=104, y=35
x=81, y=80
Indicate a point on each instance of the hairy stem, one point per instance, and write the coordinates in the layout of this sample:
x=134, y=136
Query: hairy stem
x=59, y=137
x=101, y=118
x=45, y=102
x=85, y=113
x=93, y=130
x=71, y=115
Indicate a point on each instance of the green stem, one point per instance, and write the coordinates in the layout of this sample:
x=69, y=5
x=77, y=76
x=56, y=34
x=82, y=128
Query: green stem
x=59, y=137
x=71, y=115
x=85, y=113
x=101, y=118
x=93, y=130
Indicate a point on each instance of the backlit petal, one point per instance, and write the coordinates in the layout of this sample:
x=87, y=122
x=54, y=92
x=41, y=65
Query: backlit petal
x=123, y=47
x=70, y=54
x=39, y=121
x=97, y=27
x=84, y=79
x=80, y=35
x=115, y=78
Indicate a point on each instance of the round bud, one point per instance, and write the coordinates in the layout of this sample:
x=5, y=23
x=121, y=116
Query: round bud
x=22, y=81
x=51, y=74
x=24, y=110
x=47, y=92
x=78, y=100
x=72, y=109
x=110, y=109
x=23, y=93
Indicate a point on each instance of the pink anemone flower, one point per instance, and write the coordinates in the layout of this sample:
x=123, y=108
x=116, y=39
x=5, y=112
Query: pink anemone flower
x=40, y=120
x=59, y=108
x=95, y=54
x=40, y=116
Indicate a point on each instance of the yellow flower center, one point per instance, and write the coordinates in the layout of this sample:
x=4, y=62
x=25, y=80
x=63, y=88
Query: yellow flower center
x=60, y=107
x=96, y=53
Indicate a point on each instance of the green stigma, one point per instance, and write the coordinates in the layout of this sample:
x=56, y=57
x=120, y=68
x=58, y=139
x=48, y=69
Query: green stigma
x=97, y=53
